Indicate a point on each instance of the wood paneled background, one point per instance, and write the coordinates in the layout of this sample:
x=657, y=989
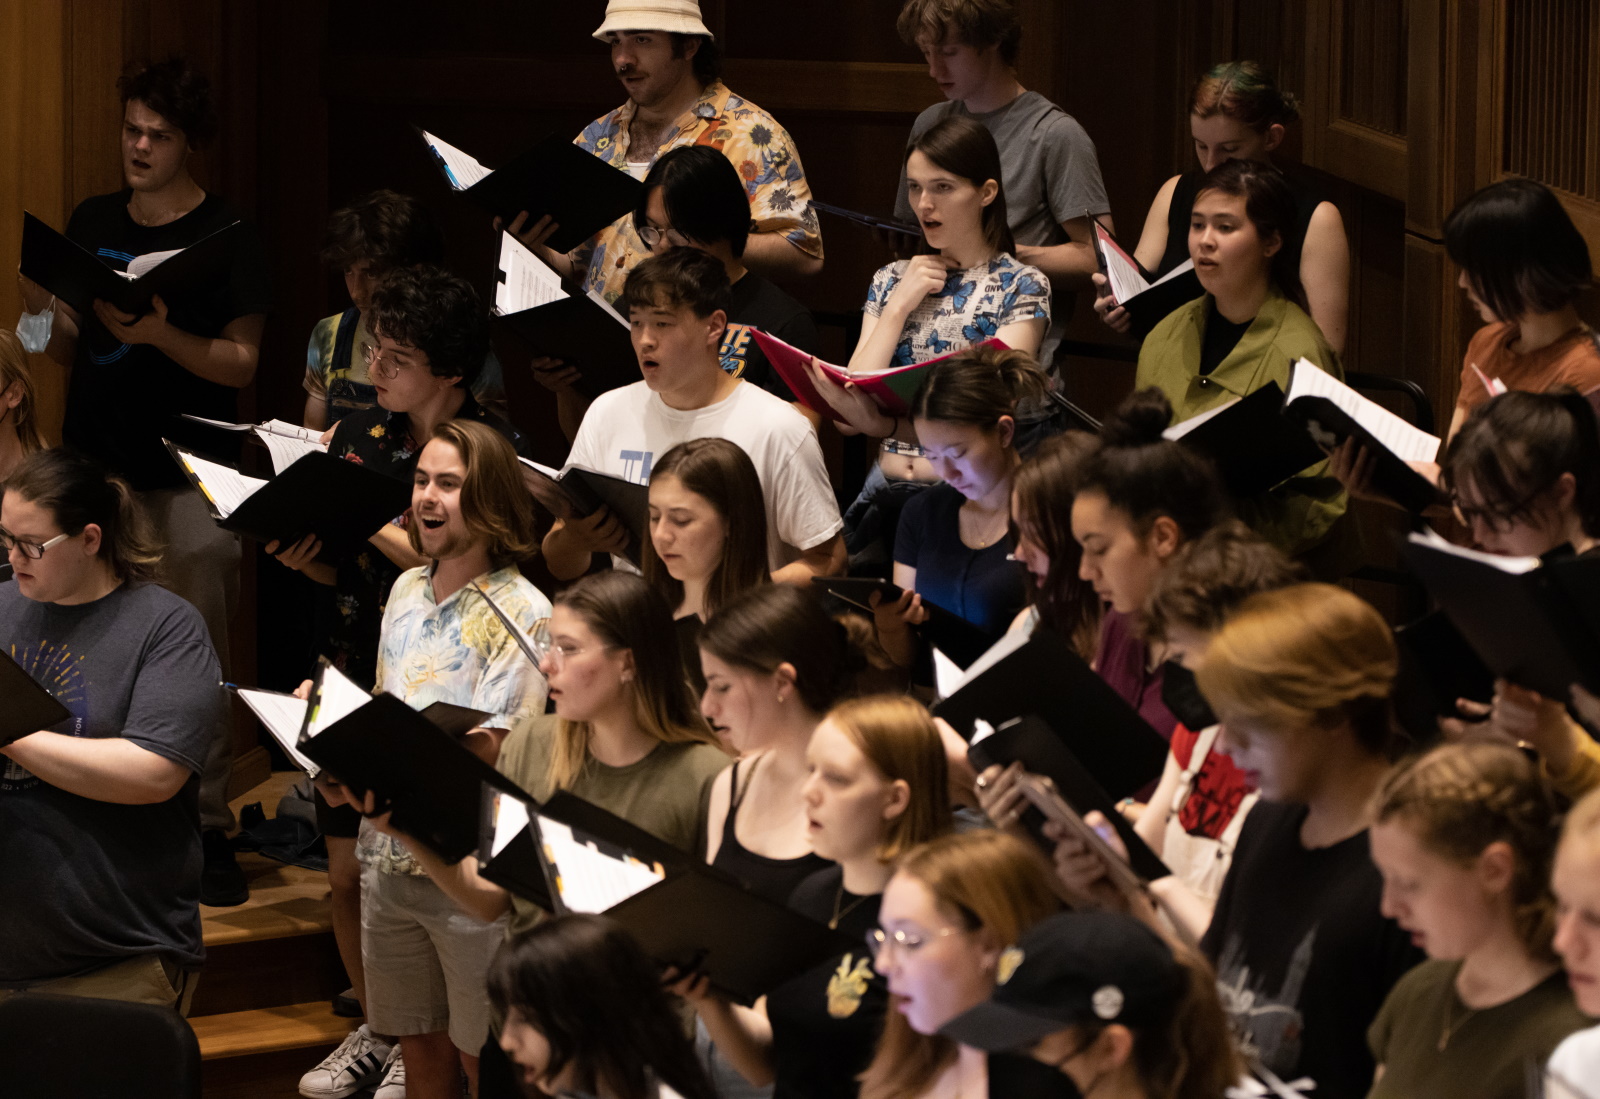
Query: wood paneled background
x=1409, y=105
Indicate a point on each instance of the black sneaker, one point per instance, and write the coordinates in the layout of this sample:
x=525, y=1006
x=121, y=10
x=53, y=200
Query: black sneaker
x=222, y=883
x=346, y=1006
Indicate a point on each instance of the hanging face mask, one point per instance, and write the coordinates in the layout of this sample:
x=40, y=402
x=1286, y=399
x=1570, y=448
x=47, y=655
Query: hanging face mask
x=1182, y=696
x=33, y=329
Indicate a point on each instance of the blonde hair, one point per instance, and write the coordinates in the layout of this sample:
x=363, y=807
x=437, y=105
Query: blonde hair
x=993, y=882
x=898, y=738
x=1460, y=798
x=1305, y=656
x=626, y=613
x=14, y=371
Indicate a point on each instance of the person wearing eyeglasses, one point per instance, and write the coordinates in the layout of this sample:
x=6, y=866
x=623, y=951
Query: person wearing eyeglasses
x=878, y=787
x=100, y=849
x=693, y=196
x=443, y=640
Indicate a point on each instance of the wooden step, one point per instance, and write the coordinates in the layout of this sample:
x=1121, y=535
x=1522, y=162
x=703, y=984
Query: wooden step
x=284, y=900
x=268, y=1030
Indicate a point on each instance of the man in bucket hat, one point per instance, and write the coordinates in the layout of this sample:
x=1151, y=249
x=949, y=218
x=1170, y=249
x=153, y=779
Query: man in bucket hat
x=670, y=66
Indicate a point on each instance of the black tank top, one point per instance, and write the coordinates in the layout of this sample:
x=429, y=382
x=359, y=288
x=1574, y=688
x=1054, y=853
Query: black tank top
x=1307, y=197
x=774, y=879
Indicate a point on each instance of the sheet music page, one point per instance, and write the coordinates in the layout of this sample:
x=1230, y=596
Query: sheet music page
x=227, y=487
x=946, y=674
x=338, y=698
x=223, y=424
x=143, y=265
x=510, y=818
x=588, y=880
x=1514, y=565
x=609, y=308
x=282, y=716
x=286, y=451
x=1409, y=443
x=1121, y=272
x=1008, y=644
x=1182, y=269
x=462, y=168
x=527, y=282
x=290, y=431
x=1183, y=427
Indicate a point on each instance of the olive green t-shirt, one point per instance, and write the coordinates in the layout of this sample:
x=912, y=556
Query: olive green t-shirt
x=1488, y=1049
x=661, y=793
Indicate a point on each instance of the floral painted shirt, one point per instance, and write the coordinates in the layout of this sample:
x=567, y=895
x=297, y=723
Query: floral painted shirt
x=459, y=652
x=761, y=150
x=381, y=440
x=973, y=305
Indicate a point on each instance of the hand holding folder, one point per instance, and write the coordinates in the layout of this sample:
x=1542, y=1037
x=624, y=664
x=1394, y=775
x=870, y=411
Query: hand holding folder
x=1254, y=446
x=684, y=913
x=962, y=641
x=79, y=278
x=28, y=706
x=1147, y=299
x=576, y=492
x=342, y=503
x=579, y=191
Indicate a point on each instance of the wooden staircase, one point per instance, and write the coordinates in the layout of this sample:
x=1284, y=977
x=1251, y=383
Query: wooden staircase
x=262, y=1007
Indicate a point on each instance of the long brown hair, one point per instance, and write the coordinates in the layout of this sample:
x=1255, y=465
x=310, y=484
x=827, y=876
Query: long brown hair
x=774, y=624
x=78, y=491
x=720, y=473
x=898, y=737
x=990, y=881
x=14, y=371
x=1460, y=798
x=495, y=504
x=1042, y=489
x=626, y=613
x=966, y=148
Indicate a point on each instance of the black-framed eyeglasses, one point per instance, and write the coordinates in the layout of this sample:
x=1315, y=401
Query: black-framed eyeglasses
x=31, y=550
x=381, y=362
x=653, y=237
x=1497, y=519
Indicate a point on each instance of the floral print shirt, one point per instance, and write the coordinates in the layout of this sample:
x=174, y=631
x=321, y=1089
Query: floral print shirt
x=459, y=652
x=761, y=150
x=380, y=439
x=973, y=305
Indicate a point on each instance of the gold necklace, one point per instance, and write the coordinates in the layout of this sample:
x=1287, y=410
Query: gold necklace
x=992, y=534
x=838, y=898
x=1451, y=1026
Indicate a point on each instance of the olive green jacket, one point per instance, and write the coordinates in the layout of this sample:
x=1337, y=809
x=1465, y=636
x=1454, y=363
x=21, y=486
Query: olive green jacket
x=1298, y=514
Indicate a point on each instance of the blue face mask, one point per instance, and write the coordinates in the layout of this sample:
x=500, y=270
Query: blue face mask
x=33, y=329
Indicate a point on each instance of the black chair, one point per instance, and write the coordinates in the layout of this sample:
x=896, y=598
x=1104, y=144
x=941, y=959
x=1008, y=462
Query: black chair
x=73, y=1047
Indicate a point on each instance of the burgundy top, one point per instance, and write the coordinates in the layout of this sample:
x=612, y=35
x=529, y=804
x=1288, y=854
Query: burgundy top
x=1123, y=661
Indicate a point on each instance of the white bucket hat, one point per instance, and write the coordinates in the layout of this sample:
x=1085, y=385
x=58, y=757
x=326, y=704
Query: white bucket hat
x=668, y=16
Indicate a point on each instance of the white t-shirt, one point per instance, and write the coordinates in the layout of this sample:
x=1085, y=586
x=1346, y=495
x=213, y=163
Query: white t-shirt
x=625, y=430
x=1575, y=1064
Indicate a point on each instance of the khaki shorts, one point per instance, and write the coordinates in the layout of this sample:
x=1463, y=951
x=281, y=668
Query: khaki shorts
x=426, y=961
x=146, y=979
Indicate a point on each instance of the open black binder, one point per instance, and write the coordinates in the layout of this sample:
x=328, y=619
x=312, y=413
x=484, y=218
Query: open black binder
x=960, y=640
x=78, y=277
x=1254, y=446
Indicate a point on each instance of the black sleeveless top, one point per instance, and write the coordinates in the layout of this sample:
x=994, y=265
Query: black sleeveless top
x=774, y=879
x=1307, y=197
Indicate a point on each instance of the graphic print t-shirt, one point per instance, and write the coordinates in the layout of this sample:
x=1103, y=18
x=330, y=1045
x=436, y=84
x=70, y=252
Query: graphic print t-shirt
x=1304, y=957
x=85, y=883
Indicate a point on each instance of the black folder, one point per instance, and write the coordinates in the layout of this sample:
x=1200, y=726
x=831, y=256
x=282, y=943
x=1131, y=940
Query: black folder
x=1535, y=628
x=580, y=333
x=1438, y=661
x=342, y=503
x=583, y=193
x=430, y=781
x=1152, y=305
x=1031, y=742
x=871, y=221
x=1329, y=425
x=1254, y=446
x=577, y=492
x=29, y=707
x=78, y=277
x=1045, y=677
x=960, y=640
x=698, y=917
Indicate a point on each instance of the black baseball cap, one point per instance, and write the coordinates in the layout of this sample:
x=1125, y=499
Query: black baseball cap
x=1074, y=967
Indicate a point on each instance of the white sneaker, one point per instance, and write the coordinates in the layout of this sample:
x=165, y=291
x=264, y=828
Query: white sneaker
x=357, y=1063
x=394, y=1077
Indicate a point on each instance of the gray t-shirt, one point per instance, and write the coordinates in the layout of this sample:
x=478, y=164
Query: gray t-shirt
x=1052, y=175
x=85, y=883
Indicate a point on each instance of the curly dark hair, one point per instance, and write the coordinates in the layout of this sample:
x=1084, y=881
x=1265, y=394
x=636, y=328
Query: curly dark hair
x=384, y=228
x=439, y=314
x=177, y=92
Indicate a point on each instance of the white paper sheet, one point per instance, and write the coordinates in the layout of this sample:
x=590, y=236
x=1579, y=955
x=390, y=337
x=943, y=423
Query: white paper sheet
x=1409, y=443
x=588, y=880
x=282, y=716
x=339, y=697
x=526, y=281
x=463, y=168
x=227, y=487
x=510, y=818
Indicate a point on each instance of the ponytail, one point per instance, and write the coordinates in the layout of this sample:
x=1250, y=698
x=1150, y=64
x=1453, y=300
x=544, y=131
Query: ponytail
x=78, y=492
x=979, y=386
x=1194, y=1055
x=1246, y=93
